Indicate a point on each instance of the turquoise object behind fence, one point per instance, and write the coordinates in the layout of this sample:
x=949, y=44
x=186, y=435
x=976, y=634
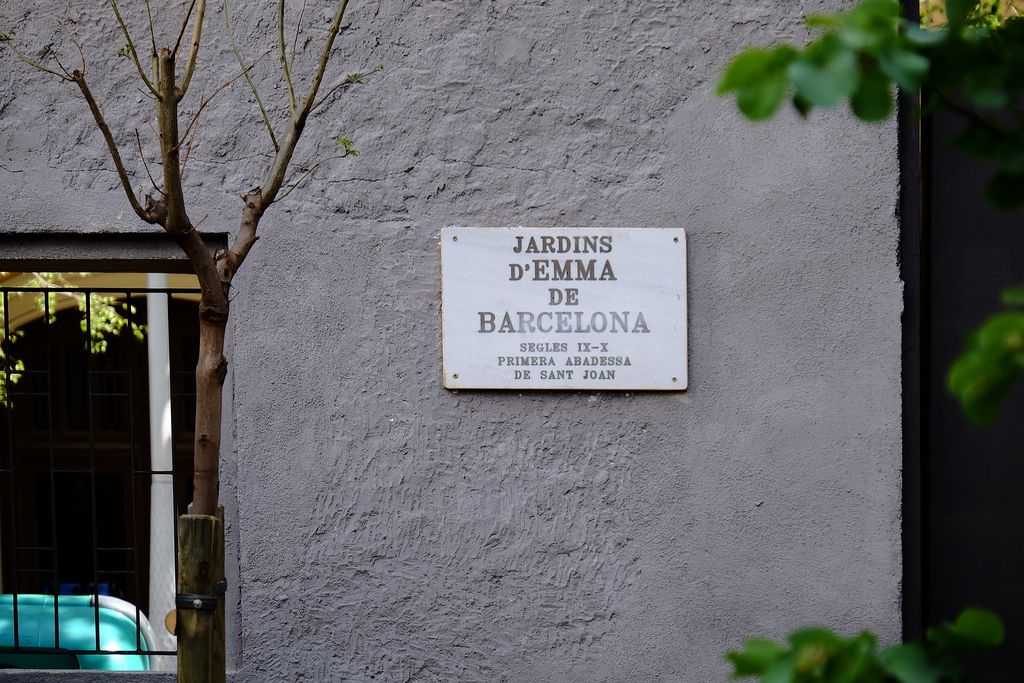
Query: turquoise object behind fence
x=77, y=632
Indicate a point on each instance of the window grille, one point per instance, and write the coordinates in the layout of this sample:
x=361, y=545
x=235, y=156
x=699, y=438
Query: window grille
x=75, y=471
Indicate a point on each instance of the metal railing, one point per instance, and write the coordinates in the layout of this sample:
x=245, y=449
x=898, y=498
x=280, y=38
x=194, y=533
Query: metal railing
x=35, y=352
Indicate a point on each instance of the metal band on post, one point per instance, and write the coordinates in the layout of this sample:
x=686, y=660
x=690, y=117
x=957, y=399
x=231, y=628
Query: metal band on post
x=206, y=603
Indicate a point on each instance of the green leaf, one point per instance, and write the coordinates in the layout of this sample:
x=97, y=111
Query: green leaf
x=827, y=72
x=782, y=671
x=869, y=25
x=348, y=146
x=873, y=100
x=903, y=66
x=1014, y=296
x=758, y=78
x=802, y=106
x=986, y=96
x=821, y=20
x=908, y=663
x=979, y=627
x=756, y=657
x=989, y=366
x=856, y=662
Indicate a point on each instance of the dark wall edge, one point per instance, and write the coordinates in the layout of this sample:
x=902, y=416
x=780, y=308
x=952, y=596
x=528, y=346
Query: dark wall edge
x=91, y=252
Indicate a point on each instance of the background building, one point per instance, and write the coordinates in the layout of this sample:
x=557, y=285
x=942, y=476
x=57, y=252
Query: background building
x=383, y=528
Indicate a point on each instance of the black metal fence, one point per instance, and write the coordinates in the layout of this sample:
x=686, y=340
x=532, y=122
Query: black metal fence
x=76, y=472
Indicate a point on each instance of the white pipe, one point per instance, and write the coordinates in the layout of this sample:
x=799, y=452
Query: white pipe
x=161, y=515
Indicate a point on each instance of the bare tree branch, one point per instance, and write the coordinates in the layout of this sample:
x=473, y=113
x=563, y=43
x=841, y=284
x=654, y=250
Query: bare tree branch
x=291, y=186
x=138, y=142
x=325, y=56
x=193, y=52
x=152, y=31
x=7, y=40
x=285, y=68
x=77, y=43
x=205, y=101
x=184, y=26
x=248, y=77
x=188, y=155
x=350, y=80
x=149, y=215
x=295, y=38
x=131, y=48
x=63, y=68
x=258, y=199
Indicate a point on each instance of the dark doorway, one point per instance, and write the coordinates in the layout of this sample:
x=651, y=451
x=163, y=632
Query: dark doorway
x=972, y=521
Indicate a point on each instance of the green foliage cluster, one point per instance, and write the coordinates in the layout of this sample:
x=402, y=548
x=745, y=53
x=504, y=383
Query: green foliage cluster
x=974, y=65
x=969, y=58
x=819, y=655
x=102, y=317
x=992, y=362
x=989, y=13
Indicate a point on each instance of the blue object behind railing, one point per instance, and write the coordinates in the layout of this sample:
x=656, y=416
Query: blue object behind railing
x=38, y=649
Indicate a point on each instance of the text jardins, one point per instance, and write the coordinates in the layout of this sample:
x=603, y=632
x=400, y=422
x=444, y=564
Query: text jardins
x=563, y=268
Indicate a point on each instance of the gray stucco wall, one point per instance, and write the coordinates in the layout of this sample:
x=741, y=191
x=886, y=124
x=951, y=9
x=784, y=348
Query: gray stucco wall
x=386, y=529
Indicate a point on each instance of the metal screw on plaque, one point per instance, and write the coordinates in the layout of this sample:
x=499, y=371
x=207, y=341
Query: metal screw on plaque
x=455, y=238
x=675, y=379
x=675, y=239
x=455, y=375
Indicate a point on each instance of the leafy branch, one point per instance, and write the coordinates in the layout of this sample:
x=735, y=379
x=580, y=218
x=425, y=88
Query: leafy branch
x=819, y=655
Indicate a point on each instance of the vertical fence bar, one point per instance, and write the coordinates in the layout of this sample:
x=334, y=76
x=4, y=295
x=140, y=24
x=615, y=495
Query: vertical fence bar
x=133, y=356
x=92, y=465
x=9, y=396
x=53, y=482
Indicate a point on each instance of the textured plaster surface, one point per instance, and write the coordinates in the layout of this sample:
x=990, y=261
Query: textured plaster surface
x=386, y=529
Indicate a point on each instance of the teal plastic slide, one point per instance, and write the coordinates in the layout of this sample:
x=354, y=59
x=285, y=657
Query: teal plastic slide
x=77, y=615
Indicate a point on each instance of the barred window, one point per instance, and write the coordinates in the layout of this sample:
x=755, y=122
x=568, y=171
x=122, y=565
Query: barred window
x=97, y=410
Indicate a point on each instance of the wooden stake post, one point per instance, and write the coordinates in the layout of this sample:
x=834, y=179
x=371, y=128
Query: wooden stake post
x=200, y=586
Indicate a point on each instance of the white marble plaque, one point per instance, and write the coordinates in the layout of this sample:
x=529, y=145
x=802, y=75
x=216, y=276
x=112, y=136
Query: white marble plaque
x=564, y=308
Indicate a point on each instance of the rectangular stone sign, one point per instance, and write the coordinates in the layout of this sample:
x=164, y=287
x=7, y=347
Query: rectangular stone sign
x=564, y=308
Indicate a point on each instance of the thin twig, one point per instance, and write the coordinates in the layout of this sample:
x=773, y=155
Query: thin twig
x=188, y=149
x=248, y=77
x=138, y=142
x=131, y=48
x=184, y=25
x=284, y=58
x=193, y=52
x=56, y=58
x=76, y=42
x=220, y=88
x=350, y=80
x=291, y=187
x=152, y=31
x=5, y=38
x=325, y=57
x=295, y=39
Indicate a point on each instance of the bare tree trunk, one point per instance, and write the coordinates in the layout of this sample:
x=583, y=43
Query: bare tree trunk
x=210, y=373
x=201, y=533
